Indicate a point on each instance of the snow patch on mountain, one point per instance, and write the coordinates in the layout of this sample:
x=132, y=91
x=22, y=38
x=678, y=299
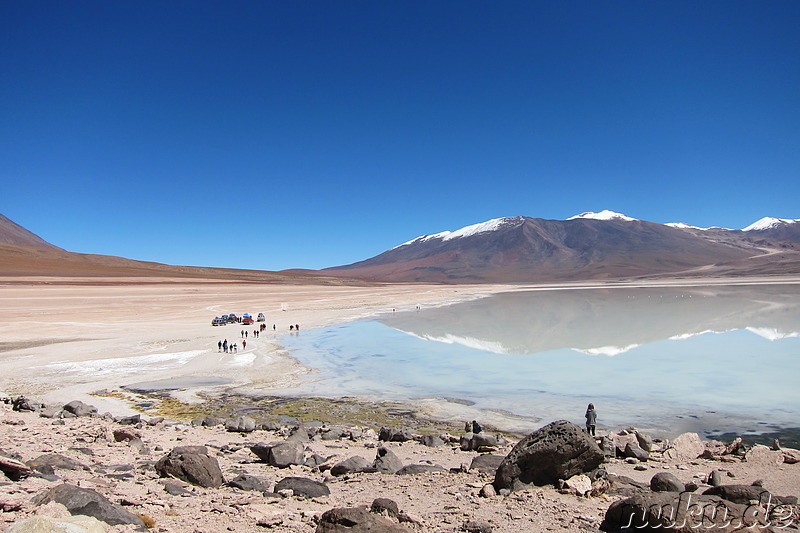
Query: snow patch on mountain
x=605, y=214
x=769, y=223
x=681, y=225
x=468, y=231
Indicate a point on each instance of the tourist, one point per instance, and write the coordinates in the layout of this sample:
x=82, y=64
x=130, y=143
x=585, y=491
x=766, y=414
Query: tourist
x=219, y=346
x=591, y=419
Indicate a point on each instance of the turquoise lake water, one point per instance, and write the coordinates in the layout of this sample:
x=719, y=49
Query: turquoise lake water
x=706, y=359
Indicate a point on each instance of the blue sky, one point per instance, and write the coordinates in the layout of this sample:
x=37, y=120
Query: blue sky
x=279, y=134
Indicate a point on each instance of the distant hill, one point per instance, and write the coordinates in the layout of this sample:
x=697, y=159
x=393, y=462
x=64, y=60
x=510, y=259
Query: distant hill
x=23, y=253
x=12, y=233
x=590, y=246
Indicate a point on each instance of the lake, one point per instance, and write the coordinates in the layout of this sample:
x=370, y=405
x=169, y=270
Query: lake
x=708, y=359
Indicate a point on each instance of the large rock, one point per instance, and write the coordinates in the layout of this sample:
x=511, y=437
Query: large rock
x=386, y=461
x=681, y=513
x=635, y=451
x=666, y=482
x=352, y=465
x=356, y=520
x=744, y=494
x=191, y=464
x=556, y=451
x=394, y=435
x=47, y=463
x=249, y=482
x=280, y=454
x=419, y=469
x=486, y=463
x=686, y=446
x=476, y=441
x=80, y=501
x=46, y=524
x=763, y=455
x=240, y=424
x=78, y=408
x=304, y=487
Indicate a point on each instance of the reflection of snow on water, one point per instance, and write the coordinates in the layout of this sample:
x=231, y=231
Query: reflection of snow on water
x=528, y=353
x=125, y=365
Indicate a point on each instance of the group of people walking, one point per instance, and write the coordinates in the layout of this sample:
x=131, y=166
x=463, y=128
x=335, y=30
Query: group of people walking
x=225, y=346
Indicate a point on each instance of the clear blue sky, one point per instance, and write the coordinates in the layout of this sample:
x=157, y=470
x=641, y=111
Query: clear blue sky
x=279, y=134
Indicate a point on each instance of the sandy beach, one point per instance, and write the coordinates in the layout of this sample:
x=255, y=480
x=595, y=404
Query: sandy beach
x=63, y=339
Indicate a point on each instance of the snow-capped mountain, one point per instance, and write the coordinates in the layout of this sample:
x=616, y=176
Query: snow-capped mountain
x=770, y=223
x=605, y=214
x=592, y=245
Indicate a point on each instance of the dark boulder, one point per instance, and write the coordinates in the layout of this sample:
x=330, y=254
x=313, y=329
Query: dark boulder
x=248, y=482
x=303, y=487
x=556, y=451
x=681, y=513
x=78, y=408
x=80, y=501
x=666, y=482
x=240, y=424
x=477, y=441
x=280, y=454
x=386, y=461
x=419, y=469
x=48, y=462
x=394, y=435
x=744, y=494
x=191, y=464
x=486, y=463
x=356, y=520
x=352, y=465
x=432, y=441
x=635, y=451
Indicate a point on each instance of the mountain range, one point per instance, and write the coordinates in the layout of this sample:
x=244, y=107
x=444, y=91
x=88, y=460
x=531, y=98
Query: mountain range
x=604, y=245
x=589, y=246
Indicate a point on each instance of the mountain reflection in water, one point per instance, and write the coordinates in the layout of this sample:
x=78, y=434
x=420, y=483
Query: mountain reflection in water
x=704, y=359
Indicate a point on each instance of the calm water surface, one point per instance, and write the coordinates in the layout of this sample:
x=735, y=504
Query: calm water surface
x=707, y=359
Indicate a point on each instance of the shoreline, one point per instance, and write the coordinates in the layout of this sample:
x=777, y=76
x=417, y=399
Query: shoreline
x=115, y=334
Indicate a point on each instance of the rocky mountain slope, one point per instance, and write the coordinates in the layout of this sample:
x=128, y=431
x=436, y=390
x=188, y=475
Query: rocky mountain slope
x=603, y=245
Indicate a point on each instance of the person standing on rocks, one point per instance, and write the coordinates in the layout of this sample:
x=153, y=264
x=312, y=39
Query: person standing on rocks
x=591, y=419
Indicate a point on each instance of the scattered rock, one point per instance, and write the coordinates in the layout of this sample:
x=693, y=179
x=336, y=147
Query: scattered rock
x=556, y=451
x=432, y=441
x=762, y=455
x=677, y=513
x=477, y=441
x=634, y=451
x=78, y=408
x=356, y=520
x=80, y=501
x=249, y=482
x=666, y=482
x=386, y=461
x=303, y=487
x=280, y=454
x=419, y=469
x=745, y=494
x=580, y=484
x=686, y=446
x=385, y=506
x=394, y=435
x=191, y=464
x=240, y=424
x=486, y=463
x=476, y=526
x=352, y=465
x=71, y=524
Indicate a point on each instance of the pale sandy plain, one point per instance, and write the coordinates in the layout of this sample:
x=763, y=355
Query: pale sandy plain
x=62, y=339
